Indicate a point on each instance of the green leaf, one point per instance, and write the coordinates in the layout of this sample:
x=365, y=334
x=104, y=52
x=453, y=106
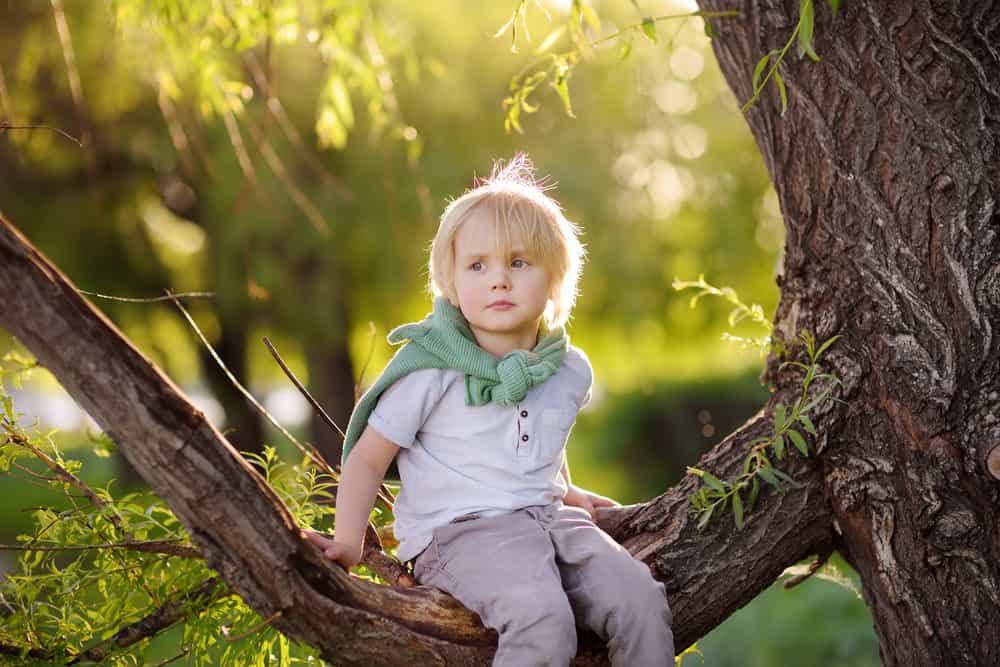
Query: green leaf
x=779, y=447
x=806, y=24
x=590, y=16
x=705, y=518
x=738, y=510
x=551, y=39
x=797, y=364
x=779, y=417
x=834, y=6
x=759, y=69
x=798, y=441
x=506, y=26
x=824, y=346
x=710, y=30
x=713, y=482
x=649, y=27
x=783, y=476
x=808, y=425
x=625, y=50
x=8, y=408
x=816, y=401
x=754, y=490
x=767, y=474
x=781, y=91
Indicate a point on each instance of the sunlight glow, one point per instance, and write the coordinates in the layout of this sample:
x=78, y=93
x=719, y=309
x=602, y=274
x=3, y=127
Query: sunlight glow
x=676, y=97
x=686, y=63
x=690, y=141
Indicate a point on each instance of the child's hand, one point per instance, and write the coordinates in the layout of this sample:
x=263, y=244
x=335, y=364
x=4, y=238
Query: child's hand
x=348, y=555
x=578, y=497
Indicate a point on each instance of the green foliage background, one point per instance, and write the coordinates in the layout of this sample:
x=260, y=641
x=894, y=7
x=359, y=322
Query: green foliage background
x=656, y=164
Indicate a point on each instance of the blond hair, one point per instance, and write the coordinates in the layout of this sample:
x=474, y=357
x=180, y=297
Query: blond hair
x=515, y=202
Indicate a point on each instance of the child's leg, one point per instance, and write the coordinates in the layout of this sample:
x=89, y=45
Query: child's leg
x=611, y=593
x=504, y=569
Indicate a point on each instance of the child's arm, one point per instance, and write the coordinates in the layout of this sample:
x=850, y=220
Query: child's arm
x=578, y=497
x=359, y=481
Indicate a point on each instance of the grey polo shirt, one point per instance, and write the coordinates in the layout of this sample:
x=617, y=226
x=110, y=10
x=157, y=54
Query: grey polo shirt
x=455, y=459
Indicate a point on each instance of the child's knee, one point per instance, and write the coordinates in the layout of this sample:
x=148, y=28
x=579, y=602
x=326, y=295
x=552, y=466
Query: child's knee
x=541, y=623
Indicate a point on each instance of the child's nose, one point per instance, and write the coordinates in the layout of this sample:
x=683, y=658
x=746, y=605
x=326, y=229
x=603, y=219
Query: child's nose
x=501, y=279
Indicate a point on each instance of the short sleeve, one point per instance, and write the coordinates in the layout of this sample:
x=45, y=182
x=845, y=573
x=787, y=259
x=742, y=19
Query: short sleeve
x=583, y=376
x=403, y=408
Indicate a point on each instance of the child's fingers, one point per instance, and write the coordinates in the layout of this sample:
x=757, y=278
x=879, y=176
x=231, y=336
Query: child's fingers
x=316, y=538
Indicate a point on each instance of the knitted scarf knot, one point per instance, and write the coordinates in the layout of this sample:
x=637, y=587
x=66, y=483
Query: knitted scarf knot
x=445, y=340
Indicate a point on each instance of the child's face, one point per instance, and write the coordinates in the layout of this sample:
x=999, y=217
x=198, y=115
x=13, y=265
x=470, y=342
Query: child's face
x=500, y=295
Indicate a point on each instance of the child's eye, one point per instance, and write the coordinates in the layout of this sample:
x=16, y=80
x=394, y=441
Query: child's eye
x=518, y=263
x=476, y=266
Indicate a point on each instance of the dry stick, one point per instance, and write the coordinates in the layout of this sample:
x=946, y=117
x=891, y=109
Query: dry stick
x=298, y=385
x=153, y=299
x=236, y=383
x=384, y=493
x=5, y=125
x=381, y=564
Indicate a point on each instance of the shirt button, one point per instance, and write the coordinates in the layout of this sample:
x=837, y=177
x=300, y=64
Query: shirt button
x=524, y=438
x=524, y=413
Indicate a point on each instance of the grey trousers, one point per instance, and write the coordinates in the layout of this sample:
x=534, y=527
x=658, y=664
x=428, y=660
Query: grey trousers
x=534, y=574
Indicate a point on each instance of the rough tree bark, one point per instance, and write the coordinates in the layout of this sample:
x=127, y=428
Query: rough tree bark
x=886, y=169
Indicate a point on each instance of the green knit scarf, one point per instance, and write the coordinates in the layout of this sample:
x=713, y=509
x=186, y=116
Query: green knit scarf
x=444, y=340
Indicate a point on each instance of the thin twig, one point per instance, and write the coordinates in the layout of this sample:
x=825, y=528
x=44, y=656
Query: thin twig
x=148, y=546
x=161, y=619
x=299, y=198
x=236, y=140
x=298, y=385
x=364, y=366
x=267, y=621
x=277, y=111
x=384, y=493
x=239, y=387
x=5, y=125
x=153, y=299
x=638, y=26
x=167, y=661
x=64, y=474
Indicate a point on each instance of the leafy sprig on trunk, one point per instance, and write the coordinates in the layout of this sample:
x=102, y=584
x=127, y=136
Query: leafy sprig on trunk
x=716, y=495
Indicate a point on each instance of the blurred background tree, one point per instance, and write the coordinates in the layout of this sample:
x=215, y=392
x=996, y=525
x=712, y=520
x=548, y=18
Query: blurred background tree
x=292, y=158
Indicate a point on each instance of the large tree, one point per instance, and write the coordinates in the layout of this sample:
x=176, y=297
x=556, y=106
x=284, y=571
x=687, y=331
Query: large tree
x=885, y=164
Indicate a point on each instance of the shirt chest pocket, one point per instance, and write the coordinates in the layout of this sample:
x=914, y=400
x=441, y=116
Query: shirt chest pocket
x=551, y=431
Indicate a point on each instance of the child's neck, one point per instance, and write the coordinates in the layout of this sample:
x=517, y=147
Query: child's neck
x=499, y=344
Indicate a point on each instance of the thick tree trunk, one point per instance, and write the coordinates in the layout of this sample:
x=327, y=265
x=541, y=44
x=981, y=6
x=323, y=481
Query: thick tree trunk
x=887, y=166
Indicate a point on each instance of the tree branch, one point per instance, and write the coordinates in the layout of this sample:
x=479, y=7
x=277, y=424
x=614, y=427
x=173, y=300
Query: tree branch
x=250, y=538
